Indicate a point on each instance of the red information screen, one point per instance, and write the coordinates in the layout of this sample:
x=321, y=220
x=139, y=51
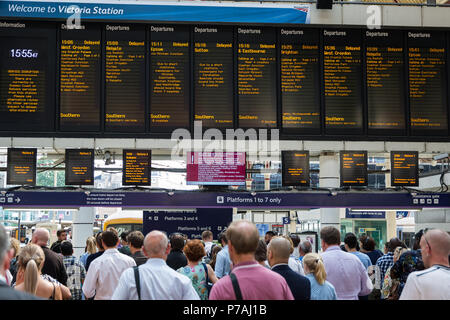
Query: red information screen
x=215, y=168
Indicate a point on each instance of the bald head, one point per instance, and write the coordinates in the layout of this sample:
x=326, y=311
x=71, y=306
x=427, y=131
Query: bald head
x=156, y=245
x=40, y=237
x=280, y=249
x=439, y=241
x=243, y=236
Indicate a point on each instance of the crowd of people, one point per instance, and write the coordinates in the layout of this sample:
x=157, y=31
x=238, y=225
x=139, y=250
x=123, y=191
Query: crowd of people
x=241, y=266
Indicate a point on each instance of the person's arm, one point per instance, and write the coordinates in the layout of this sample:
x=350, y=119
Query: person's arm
x=62, y=276
x=211, y=275
x=220, y=267
x=366, y=283
x=82, y=274
x=90, y=282
x=66, y=295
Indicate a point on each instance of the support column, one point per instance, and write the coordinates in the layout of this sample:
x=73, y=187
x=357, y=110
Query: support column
x=329, y=177
x=82, y=226
x=293, y=225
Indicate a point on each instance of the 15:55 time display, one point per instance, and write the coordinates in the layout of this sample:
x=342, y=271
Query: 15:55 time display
x=23, y=53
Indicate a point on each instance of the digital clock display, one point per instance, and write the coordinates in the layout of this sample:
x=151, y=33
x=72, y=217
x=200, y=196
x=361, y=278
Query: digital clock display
x=24, y=53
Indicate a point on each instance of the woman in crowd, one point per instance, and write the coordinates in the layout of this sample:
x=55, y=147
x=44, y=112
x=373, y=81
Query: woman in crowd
x=215, y=250
x=90, y=248
x=314, y=268
x=390, y=285
x=367, y=246
x=261, y=253
x=294, y=263
x=201, y=274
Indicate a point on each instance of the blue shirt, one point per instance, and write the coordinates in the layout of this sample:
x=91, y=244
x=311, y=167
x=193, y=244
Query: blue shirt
x=364, y=258
x=223, y=263
x=323, y=291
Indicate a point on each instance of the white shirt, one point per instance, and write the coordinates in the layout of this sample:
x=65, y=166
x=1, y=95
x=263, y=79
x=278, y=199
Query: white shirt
x=158, y=282
x=208, y=245
x=295, y=265
x=430, y=284
x=104, y=273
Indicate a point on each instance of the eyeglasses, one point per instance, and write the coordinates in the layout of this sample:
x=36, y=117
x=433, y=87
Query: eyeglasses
x=424, y=236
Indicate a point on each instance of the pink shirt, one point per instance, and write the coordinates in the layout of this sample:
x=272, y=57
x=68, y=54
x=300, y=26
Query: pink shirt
x=256, y=283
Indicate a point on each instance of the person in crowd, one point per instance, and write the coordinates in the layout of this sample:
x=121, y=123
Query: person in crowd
x=201, y=274
x=387, y=260
x=294, y=263
x=278, y=253
x=75, y=270
x=100, y=251
x=433, y=283
x=304, y=248
x=417, y=237
x=214, y=253
x=157, y=280
x=223, y=261
x=344, y=270
x=105, y=271
x=207, y=238
x=321, y=289
x=30, y=262
x=176, y=258
x=124, y=246
x=254, y=281
x=136, y=241
x=261, y=254
x=390, y=286
x=6, y=292
x=367, y=245
x=295, y=241
x=351, y=242
x=268, y=236
x=15, y=247
x=62, y=236
x=90, y=248
x=53, y=264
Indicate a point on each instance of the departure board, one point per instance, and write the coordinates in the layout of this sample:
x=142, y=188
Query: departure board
x=342, y=81
x=353, y=168
x=404, y=168
x=136, y=167
x=27, y=78
x=257, y=77
x=385, y=81
x=80, y=78
x=170, y=78
x=295, y=168
x=21, y=167
x=427, y=83
x=79, y=166
x=300, y=94
x=125, y=78
x=213, y=76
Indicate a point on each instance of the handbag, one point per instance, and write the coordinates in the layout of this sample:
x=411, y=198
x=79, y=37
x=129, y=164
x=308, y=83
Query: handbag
x=208, y=284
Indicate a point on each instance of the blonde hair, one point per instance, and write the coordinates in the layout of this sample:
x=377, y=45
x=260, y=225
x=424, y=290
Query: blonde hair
x=31, y=260
x=91, y=245
x=14, y=244
x=315, y=265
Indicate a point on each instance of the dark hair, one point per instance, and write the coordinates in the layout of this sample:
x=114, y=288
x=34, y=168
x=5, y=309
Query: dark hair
x=368, y=244
x=330, y=235
x=177, y=241
x=417, y=237
x=136, y=239
x=295, y=240
x=98, y=239
x=271, y=233
x=66, y=248
x=59, y=232
x=394, y=243
x=110, y=238
x=214, y=251
x=350, y=240
x=343, y=247
x=261, y=251
x=194, y=250
x=124, y=235
x=223, y=237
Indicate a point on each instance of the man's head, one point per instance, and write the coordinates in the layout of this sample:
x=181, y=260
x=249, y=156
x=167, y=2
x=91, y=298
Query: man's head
x=207, y=236
x=156, y=245
x=435, y=247
x=394, y=243
x=278, y=251
x=269, y=235
x=223, y=238
x=177, y=241
x=243, y=239
x=329, y=236
x=367, y=243
x=5, y=253
x=350, y=241
x=295, y=240
x=40, y=237
x=62, y=235
x=135, y=240
x=66, y=248
x=305, y=248
x=110, y=239
x=123, y=238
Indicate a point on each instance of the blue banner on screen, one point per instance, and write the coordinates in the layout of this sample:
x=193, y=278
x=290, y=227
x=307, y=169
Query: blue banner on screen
x=156, y=11
x=262, y=228
x=349, y=214
x=191, y=222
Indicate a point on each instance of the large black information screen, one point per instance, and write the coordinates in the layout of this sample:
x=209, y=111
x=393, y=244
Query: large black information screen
x=295, y=168
x=353, y=168
x=27, y=82
x=257, y=70
x=213, y=76
x=136, y=167
x=300, y=94
x=79, y=167
x=21, y=168
x=80, y=78
x=170, y=78
x=385, y=81
x=427, y=83
x=342, y=81
x=404, y=168
x=125, y=78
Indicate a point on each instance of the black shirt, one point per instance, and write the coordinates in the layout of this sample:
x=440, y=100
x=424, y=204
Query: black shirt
x=139, y=258
x=92, y=257
x=176, y=259
x=54, y=266
x=299, y=285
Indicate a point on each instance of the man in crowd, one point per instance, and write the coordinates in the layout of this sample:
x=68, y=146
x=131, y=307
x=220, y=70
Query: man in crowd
x=135, y=241
x=105, y=271
x=268, y=236
x=176, y=258
x=344, y=270
x=207, y=237
x=387, y=260
x=53, y=264
x=100, y=251
x=350, y=243
x=223, y=262
x=251, y=280
x=157, y=280
x=62, y=236
x=304, y=248
x=295, y=241
x=74, y=269
x=278, y=253
x=432, y=283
